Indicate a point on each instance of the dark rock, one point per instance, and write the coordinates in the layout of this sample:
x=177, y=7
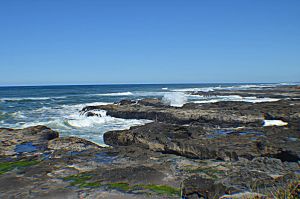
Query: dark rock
x=37, y=136
x=127, y=102
x=199, y=187
x=192, y=114
x=195, y=142
x=151, y=102
x=287, y=156
x=91, y=114
x=132, y=175
x=271, y=166
x=72, y=144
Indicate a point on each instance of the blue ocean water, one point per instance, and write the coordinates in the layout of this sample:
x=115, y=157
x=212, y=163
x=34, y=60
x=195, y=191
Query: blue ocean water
x=58, y=106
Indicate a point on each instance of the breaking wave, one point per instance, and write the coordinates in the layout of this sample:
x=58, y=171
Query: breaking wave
x=234, y=98
x=175, y=99
x=11, y=99
x=114, y=94
x=195, y=89
x=237, y=87
x=44, y=107
x=68, y=120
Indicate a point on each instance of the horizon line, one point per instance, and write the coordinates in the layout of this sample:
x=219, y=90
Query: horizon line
x=112, y=84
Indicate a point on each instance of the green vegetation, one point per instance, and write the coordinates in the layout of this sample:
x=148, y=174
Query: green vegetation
x=120, y=185
x=91, y=184
x=162, y=189
x=292, y=191
x=79, y=180
x=83, y=180
x=8, y=166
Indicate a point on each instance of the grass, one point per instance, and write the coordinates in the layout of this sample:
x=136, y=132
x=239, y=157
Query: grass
x=79, y=180
x=120, y=185
x=8, y=166
x=91, y=184
x=288, y=190
x=83, y=180
x=291, y=191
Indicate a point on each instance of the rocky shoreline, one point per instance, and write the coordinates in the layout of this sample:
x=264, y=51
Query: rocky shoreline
x=215, y=150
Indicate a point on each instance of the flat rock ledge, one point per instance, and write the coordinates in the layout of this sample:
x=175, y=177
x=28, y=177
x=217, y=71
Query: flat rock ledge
x=219, y=150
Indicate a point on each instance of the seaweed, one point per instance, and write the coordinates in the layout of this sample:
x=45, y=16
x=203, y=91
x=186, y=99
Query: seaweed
x=8, y=166
x=83, y=180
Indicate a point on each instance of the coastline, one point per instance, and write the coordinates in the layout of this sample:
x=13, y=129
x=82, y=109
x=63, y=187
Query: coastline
x=207, y=149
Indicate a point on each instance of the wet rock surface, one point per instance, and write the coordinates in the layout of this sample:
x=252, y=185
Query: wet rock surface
x=193, y=114
x=199, y=143
x=196, y=151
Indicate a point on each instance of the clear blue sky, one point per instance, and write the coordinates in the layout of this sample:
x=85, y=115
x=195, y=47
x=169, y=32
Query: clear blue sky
x=149, y=41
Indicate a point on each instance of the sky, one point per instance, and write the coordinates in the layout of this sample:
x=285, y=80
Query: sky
x=150, y=41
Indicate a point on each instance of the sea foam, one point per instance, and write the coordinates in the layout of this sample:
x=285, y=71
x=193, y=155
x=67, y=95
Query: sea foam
x=233, y=98
x=11, y=99
x=114, y=94
x=209, y=89
x=235, y=87
x=68, y=120
x=176, y=99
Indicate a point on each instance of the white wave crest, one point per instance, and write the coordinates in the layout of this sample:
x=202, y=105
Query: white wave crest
x=209, y=89
x=18, y=115
x=24, y=98
x=175, y=99
x=114, y=94
x=79, y=107
x=233, y=98
x=289, y=84
x=249, y=86
x=29, y=98
x=81, y=121
x=68, y=120
x=235, y=87
x=149, y=94
x=97, y=103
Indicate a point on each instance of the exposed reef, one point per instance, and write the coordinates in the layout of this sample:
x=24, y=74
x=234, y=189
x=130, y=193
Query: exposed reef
x=216, y=150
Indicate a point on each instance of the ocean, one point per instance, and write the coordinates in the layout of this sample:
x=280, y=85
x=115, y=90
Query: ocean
x=58, y=106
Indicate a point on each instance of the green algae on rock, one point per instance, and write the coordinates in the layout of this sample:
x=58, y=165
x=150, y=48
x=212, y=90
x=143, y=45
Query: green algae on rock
x=82, y=180
x=8, y=166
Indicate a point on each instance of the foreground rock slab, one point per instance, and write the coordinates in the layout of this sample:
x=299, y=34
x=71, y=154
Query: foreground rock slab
x=72, y=167
x=196, y=142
